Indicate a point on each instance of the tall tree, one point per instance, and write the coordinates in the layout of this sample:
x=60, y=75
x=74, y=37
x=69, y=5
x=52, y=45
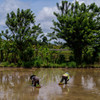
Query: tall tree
x=1, y=48
x=6, y=43
x=23, y=30
x=77, y=25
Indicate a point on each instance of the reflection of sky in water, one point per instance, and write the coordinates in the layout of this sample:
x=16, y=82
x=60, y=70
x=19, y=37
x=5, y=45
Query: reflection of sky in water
x=49, y=92
x=53, y=90
x=88, y=83
x=4, y=78
x=71, y=81
x=16, y=85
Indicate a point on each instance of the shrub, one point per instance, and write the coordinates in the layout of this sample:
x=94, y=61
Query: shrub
x=72, y=64
x=27, y=64
x=4, y=64
x=19, y=64
x=37, y=63
x=61, y=59
x=12, y=65
x=63, y=65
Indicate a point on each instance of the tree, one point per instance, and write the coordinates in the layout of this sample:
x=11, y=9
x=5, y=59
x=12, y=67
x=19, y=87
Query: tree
x=96, y=46
x=77, y=25
x=22, y=30
x=1, y=49
x=45, y=40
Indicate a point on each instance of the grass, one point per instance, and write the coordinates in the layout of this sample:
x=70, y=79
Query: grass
x=7, y=64
x=71, y=64
x=38, y=86
x=61, y=83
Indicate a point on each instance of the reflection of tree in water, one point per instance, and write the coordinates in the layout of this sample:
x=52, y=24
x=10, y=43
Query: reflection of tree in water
x=11, y=83
x=88, y=83
x=89, y=80
x=16, y=84
x=65, y=89
x=13, y=79
x=34, y=92
x=49, y=80
x=51, y=91
x=49, y=75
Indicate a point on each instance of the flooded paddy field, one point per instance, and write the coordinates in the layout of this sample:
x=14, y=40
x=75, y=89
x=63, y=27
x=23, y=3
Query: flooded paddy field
x=15, y=84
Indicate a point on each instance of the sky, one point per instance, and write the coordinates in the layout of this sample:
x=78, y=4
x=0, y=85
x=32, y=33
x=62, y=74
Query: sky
x=43, y=10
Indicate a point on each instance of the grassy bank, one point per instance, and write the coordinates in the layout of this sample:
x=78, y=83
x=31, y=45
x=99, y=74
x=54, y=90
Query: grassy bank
x=50, y=65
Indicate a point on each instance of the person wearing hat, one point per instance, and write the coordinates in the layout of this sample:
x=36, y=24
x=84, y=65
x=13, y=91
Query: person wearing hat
x=65, y=77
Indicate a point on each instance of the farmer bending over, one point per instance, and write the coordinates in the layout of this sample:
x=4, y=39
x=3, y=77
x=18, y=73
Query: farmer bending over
x=65, y=77
x=35, y=80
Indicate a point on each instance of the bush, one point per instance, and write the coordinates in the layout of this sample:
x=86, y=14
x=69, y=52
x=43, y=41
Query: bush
x=12, y=65
x=27, y=64
x=52, y=65
x=71, y=58
x=63, y=65
x=4, y=64
x=61, y=59
x=72, y=64
x=37, y=63
x=19, y=64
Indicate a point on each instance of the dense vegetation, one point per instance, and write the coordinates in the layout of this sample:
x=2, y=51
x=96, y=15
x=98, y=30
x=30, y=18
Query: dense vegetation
x=77, y=24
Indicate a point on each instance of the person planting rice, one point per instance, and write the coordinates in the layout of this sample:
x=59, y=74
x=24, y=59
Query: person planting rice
x=35, y=80
x=65, y=77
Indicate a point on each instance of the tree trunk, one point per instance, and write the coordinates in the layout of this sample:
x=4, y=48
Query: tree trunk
x=1, y=55
x=78, y=56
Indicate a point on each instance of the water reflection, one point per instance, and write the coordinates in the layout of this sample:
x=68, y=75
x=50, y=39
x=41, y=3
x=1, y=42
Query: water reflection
x=88, y=83
x=49, y=92
x=16, y=85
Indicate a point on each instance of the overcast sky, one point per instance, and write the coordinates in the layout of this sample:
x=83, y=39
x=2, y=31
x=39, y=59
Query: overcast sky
x=43, y=10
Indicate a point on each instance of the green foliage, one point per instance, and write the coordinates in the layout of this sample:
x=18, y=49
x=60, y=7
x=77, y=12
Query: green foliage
x=71, y=58
x=19, y=63
x=28, y=54
x=23, y=30
x=45, y=40
x=12, y=65
x=28, y=64
x=96, y=53
x=38, y=61
x=77, y=25
x=72, y=64
x=63, y=65
x=43, y=56
x=61, y=59
x=7, y=64
x=88, y=55
x=38, y=86
x=55, y=65
x=4, y=64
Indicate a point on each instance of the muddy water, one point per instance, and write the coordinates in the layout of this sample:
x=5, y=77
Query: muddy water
x=84, y=84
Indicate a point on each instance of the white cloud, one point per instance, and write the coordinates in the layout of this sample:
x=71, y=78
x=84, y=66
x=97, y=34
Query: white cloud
x=7, y=6
x=46, y=25
x=80, y=1
x=46, y=13
x=91, y=1
x=45, y=17
x=97, y=2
